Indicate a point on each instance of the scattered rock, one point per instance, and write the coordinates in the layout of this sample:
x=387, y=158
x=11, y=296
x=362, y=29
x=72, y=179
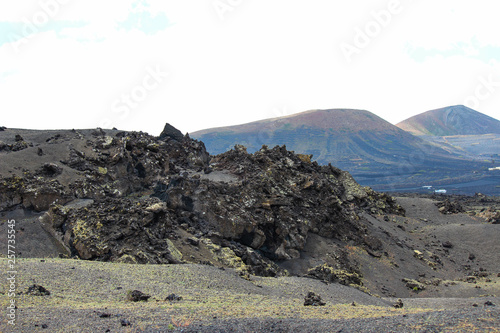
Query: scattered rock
x=470, y=279
x=449, y=207
x=20, y=145
x=137, y=296
x=313, y=300
x=447, y=245
x=481, y=273
x=37, y=290
x=173, y=298
x=125, y=322
x=489, y=303
x=491, y=215
x=414, y=284
x=19, y=138
x=432, y=282
x=50, y=170
x=399, y=304
x=331, y=275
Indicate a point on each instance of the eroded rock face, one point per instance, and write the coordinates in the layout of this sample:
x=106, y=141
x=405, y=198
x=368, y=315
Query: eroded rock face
x=121, y=230
x=31, y=192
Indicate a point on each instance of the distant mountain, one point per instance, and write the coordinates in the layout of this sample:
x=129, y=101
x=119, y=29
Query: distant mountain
x=374, y=151
x=338, y=136
x=452, y=120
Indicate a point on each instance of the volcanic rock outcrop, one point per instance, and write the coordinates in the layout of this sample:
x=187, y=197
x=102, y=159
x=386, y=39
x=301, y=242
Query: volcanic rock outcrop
x=132, y=197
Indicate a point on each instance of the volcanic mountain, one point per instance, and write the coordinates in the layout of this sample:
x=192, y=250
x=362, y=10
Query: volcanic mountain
x=339, y=136
x=374, y=151
x=459, y=130
x=452, y=120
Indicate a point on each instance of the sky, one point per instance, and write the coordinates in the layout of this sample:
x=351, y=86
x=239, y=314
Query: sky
x=138, y=64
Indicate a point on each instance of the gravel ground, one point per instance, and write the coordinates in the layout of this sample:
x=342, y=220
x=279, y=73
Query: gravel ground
x=477, y=320
x=91, y=297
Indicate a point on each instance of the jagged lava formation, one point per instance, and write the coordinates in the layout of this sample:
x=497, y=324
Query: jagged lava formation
x=131, y=197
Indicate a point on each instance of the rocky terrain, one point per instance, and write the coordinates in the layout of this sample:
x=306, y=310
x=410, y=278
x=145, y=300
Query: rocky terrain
x=125, y=197
x=240, y=220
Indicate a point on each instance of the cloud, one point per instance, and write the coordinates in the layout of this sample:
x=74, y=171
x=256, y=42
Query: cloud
x=140, y=18
x=4, y=75
x=85, y=27
x=264, y=55
x=13, y=32
x=470, y=49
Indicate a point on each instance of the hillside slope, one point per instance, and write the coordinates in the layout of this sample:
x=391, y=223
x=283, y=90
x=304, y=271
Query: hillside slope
x=452, y=120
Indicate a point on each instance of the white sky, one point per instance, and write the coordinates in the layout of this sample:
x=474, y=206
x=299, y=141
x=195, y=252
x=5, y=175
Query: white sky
x=88, y=63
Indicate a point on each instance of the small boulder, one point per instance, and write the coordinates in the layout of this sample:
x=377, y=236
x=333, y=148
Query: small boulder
x=447, y=245
x=171, y=132
x=173, y=297
x=399, y=304
x=193, y=241
x=125, y=322
x=37, y=290
x=313, y=299
x=137, y=296
x=50, y=170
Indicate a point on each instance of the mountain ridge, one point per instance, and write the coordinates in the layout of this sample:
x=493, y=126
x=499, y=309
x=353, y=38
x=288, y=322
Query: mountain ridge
x=319, y=118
